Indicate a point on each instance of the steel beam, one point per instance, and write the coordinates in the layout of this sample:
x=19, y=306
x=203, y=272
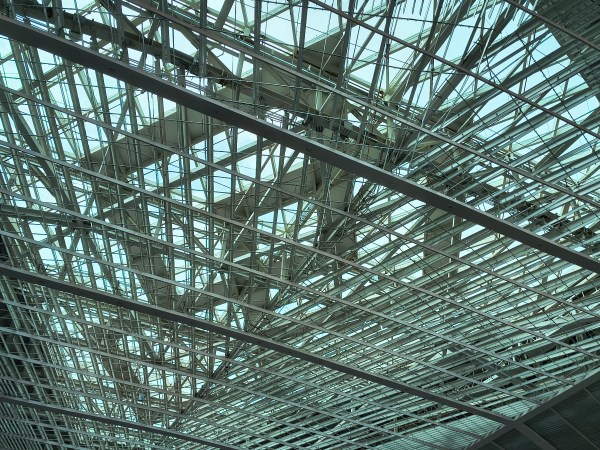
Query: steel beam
x=554, y=24
x=87, y=436
x=530, y=434
x=518, y=423
x=281, y=191
x=291, y=243
x=26, y=403
x=302, y=410
x=456, y=66
x=300, y=75
x=246, y=337
x=143, y=80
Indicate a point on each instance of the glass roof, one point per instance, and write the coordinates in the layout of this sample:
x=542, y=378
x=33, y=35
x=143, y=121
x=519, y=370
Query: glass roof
x=294, y=223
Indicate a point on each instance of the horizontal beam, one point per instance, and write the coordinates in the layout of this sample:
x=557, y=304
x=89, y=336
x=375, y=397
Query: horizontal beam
x=311, y=80
x=89, y=436
x=55, y=409
x=243, y=336
x=459, y=68
x=567, y=393
x=359, y=219
x=554, y=24
x=229, y=114
x=113, y=230
x=530, y=434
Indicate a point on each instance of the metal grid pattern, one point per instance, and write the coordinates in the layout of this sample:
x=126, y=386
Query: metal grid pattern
x=294, y=224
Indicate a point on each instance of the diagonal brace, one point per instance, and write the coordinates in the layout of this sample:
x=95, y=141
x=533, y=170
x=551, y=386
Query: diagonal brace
x=227, y=113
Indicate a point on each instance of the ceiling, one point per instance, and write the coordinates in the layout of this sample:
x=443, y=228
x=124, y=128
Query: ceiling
x=299, y=224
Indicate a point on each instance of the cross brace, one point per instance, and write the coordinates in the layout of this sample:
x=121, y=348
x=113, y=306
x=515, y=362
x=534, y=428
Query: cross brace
x=246, y=337
x=113, y=421
x=143, y=80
